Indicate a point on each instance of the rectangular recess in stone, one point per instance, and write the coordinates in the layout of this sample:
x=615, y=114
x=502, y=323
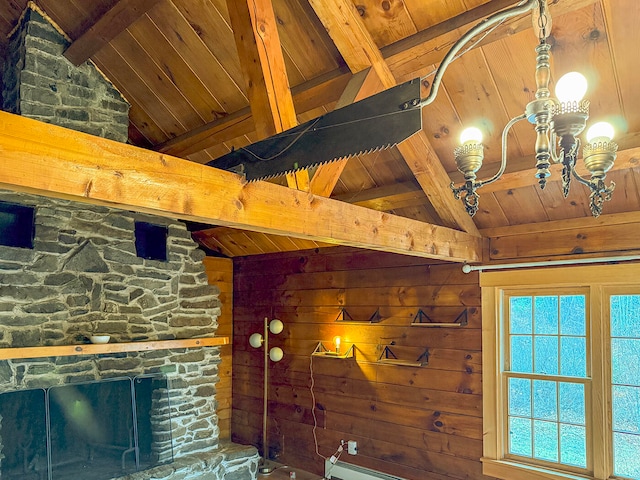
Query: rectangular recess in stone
x=17, y=224
x=151, y=241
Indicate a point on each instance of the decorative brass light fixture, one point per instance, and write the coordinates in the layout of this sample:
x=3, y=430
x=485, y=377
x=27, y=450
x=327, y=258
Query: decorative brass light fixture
x=557, y=122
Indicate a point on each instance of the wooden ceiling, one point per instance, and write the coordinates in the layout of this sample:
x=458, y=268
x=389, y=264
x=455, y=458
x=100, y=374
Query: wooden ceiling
x=178, y=63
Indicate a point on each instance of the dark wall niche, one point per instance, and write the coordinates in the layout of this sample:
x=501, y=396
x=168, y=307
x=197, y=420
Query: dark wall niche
x=16, y=225
x=151, y=241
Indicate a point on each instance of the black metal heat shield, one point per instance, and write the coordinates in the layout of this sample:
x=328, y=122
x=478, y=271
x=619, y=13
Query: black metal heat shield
x=375, y=123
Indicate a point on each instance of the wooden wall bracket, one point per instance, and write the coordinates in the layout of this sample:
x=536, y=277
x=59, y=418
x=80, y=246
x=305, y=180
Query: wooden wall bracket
x=423, y=320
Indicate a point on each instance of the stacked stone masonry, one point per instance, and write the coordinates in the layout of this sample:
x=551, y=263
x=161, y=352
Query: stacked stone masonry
x=83, y=277
x=40, y=83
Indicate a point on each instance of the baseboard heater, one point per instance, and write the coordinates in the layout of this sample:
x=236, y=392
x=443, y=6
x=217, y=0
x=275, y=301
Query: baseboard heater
x=348, y=471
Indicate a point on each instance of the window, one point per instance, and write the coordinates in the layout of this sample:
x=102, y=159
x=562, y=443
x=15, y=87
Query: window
x=561, y=359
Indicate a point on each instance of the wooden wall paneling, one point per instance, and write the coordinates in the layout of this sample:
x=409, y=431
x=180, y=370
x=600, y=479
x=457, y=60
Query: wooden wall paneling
x=612, y=239
x=622, y=36
x=156, y=80
x=220, y=273
x=119, y=71
x=217, y=69
x=423, y=422
x=173, y=65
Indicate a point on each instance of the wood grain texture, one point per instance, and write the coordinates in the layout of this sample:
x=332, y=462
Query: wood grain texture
x=108, y=172
x=97, y=349
x=220, y=273
x=416, y=422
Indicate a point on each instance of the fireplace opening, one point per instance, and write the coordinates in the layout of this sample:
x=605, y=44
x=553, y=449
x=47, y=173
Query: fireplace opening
x=95, y=430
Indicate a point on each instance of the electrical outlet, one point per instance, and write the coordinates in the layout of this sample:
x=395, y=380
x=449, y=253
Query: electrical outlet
x=352, y=447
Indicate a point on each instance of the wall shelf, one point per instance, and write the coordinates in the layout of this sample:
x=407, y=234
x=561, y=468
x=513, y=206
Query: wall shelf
x=423, y=320
x=107, y=348
x=344, y=316
x=322, y=351
x=387, y=357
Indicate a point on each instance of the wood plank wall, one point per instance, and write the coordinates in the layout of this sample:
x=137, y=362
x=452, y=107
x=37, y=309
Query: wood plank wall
x=415, y=422
x=220, y=273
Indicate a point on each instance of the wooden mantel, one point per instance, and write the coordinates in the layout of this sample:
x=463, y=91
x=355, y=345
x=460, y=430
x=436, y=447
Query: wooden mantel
x=45, y=159
x=107, y=348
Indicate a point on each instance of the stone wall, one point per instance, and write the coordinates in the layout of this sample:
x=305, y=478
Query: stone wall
x=40, y=83
x=83, y=275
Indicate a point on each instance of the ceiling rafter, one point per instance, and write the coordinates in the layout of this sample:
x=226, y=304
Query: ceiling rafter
x=346, y=28
x=106, y=28
x=256, y=34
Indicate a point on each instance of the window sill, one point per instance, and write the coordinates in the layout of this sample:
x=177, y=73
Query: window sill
x=508, y=469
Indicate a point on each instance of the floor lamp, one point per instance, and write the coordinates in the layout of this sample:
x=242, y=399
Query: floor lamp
x=275, y=354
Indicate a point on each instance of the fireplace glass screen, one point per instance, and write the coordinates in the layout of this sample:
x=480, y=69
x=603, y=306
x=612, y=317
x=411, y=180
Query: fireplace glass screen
x=96, y=430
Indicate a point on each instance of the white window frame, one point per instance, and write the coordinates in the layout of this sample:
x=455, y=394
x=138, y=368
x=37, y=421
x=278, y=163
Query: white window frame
x=601, y=282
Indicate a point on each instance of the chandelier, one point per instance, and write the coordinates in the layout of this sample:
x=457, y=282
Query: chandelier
x=557, y=123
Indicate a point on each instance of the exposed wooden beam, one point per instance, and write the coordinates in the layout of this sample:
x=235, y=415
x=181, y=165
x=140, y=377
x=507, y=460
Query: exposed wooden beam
x=108, y=27
x=256, y=34
x=49, y=160
x=346, y=28
x=388, y=197
x=613, y=234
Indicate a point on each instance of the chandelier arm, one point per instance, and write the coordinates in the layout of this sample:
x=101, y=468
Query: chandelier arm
x=503, y=163
x=582, y=180
x=485, y=24
x=553, y=150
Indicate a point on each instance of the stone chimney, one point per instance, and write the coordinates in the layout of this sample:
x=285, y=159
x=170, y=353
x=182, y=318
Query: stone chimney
x=40, y=83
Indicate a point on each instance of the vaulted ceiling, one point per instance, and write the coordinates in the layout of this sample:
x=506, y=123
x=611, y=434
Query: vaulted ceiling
x=201, y=82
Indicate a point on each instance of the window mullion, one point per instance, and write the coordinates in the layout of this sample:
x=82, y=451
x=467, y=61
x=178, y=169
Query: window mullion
x=599, y=390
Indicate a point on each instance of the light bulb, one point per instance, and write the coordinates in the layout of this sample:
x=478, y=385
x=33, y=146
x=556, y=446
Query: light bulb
x=571, y=87
x=276, y=326
x=276, y=354
x=602, y=131
x=337, y=341
x=471, y=134
x=255, y=340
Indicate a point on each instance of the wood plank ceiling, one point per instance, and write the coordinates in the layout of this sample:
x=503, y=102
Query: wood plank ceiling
x=177, y=63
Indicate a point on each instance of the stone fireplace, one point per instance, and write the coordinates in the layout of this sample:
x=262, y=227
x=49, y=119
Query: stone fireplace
x=85, y=274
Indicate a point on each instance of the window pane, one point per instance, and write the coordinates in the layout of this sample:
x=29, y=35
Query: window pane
x=573, y=445
x=520, y=397
x=546, y=355
x=626, y=409
x=521, y=354
x=545, y=440
x=544, y=400
x=625, y=315
x=520, y=320
x=626, y=461
x=625, y=359
x=573, y=315
x=546, y=316
x=572, y=403
x=573, y=356
x=520, y=442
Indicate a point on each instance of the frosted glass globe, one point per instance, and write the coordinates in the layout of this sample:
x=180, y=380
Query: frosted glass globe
x=602, y=130
x=276, y=326
x=255, y=340
x=276, y=354
x=571, y=87
x=471, y=134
